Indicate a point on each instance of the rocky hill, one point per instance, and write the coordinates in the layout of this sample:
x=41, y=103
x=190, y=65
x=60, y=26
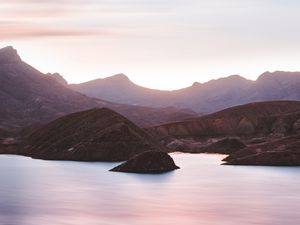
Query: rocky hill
x=277, y=118
x=92, y=135
x=279, y=152
x=266, y=133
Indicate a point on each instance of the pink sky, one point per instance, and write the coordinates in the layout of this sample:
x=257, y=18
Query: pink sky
x=165, y=44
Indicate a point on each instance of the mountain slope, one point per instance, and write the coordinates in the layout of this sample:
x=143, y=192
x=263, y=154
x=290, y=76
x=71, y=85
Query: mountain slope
x=275, y=86
x=275, y=118
x=92, y=135
x=207, y=97
x=27, y=97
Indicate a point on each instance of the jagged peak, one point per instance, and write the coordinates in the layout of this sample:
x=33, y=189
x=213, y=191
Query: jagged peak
x=9, y=55
x=195, y=84
x=283, y=75
x=59, y=78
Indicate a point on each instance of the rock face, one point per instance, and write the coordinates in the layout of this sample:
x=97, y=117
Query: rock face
x=279, y=152
x=278, y=118
x=59, y=78
x=29, y=97
x=9, y=55
x=270, y=129
x=148, y=162
x=210, y=145
x=92, y=135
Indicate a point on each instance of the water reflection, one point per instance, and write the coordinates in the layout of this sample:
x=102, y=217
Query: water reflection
x=36, y=192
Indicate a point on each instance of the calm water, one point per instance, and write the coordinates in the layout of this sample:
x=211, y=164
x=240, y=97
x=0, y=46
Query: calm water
x=36, y=192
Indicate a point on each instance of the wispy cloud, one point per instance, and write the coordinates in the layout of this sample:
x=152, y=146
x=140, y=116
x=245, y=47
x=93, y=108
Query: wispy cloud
x=150, y=37
x=41, y=18
x=12, y=30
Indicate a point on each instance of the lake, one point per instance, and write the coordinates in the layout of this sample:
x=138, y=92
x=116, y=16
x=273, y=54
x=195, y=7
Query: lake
x=202, y=192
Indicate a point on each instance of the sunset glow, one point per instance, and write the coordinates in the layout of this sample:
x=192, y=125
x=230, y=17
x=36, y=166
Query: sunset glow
x=159, y=43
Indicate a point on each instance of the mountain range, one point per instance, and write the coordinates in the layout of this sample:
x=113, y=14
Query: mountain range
x=206, y=97
x=95, y=128
x=28, y=97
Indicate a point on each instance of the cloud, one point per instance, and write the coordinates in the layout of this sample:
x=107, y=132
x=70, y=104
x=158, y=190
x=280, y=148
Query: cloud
x=41, y=18
x=11, y=30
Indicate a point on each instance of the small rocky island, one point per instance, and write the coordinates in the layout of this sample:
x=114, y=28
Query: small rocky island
x=148, y=162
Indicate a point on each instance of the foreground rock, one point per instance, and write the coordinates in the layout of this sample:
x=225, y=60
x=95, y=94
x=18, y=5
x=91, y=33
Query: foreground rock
x=92, y=135
x=148, y=162
x=281, y=152
x=273, y=158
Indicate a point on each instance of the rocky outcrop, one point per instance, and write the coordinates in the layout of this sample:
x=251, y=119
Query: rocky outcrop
x=296, y=126
x=92, y=135
x=9, y=55
x=225, y=146
x=280, y=152
x=187, y=145
x=208, y=145
x=148, y=162
x=269, y=158
x=59, y=78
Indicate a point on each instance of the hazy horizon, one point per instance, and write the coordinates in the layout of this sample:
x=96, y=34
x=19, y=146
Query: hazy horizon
x=162, y=44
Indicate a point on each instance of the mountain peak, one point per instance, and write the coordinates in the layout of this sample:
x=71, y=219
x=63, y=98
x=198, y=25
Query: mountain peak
x=195, y=84
x=59, y=78
x=119, y=77
x=9, y=55
x=236, y=77
x=266, y=76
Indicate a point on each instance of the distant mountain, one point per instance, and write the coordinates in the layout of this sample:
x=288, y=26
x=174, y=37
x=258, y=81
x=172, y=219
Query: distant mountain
x=120, y=89
x=205, y=98
x=92, y=135
x=27, y=97
x=275, y=86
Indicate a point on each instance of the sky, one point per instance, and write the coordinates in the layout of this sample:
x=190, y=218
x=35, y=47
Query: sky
x=162, y=44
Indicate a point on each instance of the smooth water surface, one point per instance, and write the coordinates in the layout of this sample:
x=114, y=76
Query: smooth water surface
x=202, y=192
